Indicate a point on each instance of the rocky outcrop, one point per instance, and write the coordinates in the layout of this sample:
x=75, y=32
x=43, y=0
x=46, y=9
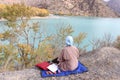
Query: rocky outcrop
x=103, y=64
x=81, y=7
x=71, y=7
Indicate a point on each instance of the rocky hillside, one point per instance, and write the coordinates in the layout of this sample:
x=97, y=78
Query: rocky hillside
x=115, y=5
x=71, y=7
x=82, y=7
x=103, y=64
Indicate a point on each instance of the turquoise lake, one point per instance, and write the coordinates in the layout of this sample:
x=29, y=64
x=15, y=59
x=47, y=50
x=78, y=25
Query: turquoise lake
x=94, y=27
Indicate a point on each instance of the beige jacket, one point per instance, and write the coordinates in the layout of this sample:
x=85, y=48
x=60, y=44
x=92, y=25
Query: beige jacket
x=68, y=59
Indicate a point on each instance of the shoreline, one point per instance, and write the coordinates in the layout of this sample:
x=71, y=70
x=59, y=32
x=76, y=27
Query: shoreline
x=57, y=17
x=38, y=17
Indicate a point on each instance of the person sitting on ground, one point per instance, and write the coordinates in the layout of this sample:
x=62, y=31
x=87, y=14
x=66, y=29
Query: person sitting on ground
x=68, y=59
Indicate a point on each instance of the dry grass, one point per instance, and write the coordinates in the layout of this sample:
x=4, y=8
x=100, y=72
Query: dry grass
x=103, y=64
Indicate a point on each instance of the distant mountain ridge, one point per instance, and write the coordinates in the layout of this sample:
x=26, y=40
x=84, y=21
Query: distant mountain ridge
x=96, y=8
x=115, y=5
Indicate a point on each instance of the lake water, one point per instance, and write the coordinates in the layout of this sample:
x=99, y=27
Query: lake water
x=94, y=27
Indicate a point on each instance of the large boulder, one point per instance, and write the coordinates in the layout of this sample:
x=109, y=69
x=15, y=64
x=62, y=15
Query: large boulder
x=103, y=64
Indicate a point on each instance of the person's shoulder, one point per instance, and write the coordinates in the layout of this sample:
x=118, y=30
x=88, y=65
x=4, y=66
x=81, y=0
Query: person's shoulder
x=75, y=47
x=69, y=47
x=65, y=48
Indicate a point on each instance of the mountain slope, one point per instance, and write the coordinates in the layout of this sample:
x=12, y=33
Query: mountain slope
x=80, y=7
x=115, y=5
x=71, y=7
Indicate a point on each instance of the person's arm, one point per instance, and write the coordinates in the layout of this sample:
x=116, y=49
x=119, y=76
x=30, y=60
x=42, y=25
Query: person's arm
x=55, y=60
x=60, y=57
x=78, y=53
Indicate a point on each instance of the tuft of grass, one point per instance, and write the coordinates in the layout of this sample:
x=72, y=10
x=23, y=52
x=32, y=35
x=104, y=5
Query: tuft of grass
x=105, y=41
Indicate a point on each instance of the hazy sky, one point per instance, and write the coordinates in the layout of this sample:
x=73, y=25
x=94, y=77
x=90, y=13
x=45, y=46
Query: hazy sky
x=106, y=0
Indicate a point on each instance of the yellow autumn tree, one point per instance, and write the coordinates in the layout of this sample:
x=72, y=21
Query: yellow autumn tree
x=40, y=12
x=6, y=57
x=2, y=6
x=18, y=32
x=29, y=40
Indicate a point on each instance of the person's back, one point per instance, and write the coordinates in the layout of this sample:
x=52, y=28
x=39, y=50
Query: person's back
x=68, y=59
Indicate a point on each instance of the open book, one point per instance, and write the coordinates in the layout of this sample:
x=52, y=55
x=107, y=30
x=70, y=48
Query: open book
x=53, y=67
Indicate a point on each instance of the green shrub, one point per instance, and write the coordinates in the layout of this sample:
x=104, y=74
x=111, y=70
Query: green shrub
x=78, y=40
x=105, y=41
x=58, y=40
x=8, y=54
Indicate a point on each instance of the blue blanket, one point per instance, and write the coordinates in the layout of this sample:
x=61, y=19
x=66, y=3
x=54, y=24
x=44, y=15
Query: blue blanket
x=80, y=69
